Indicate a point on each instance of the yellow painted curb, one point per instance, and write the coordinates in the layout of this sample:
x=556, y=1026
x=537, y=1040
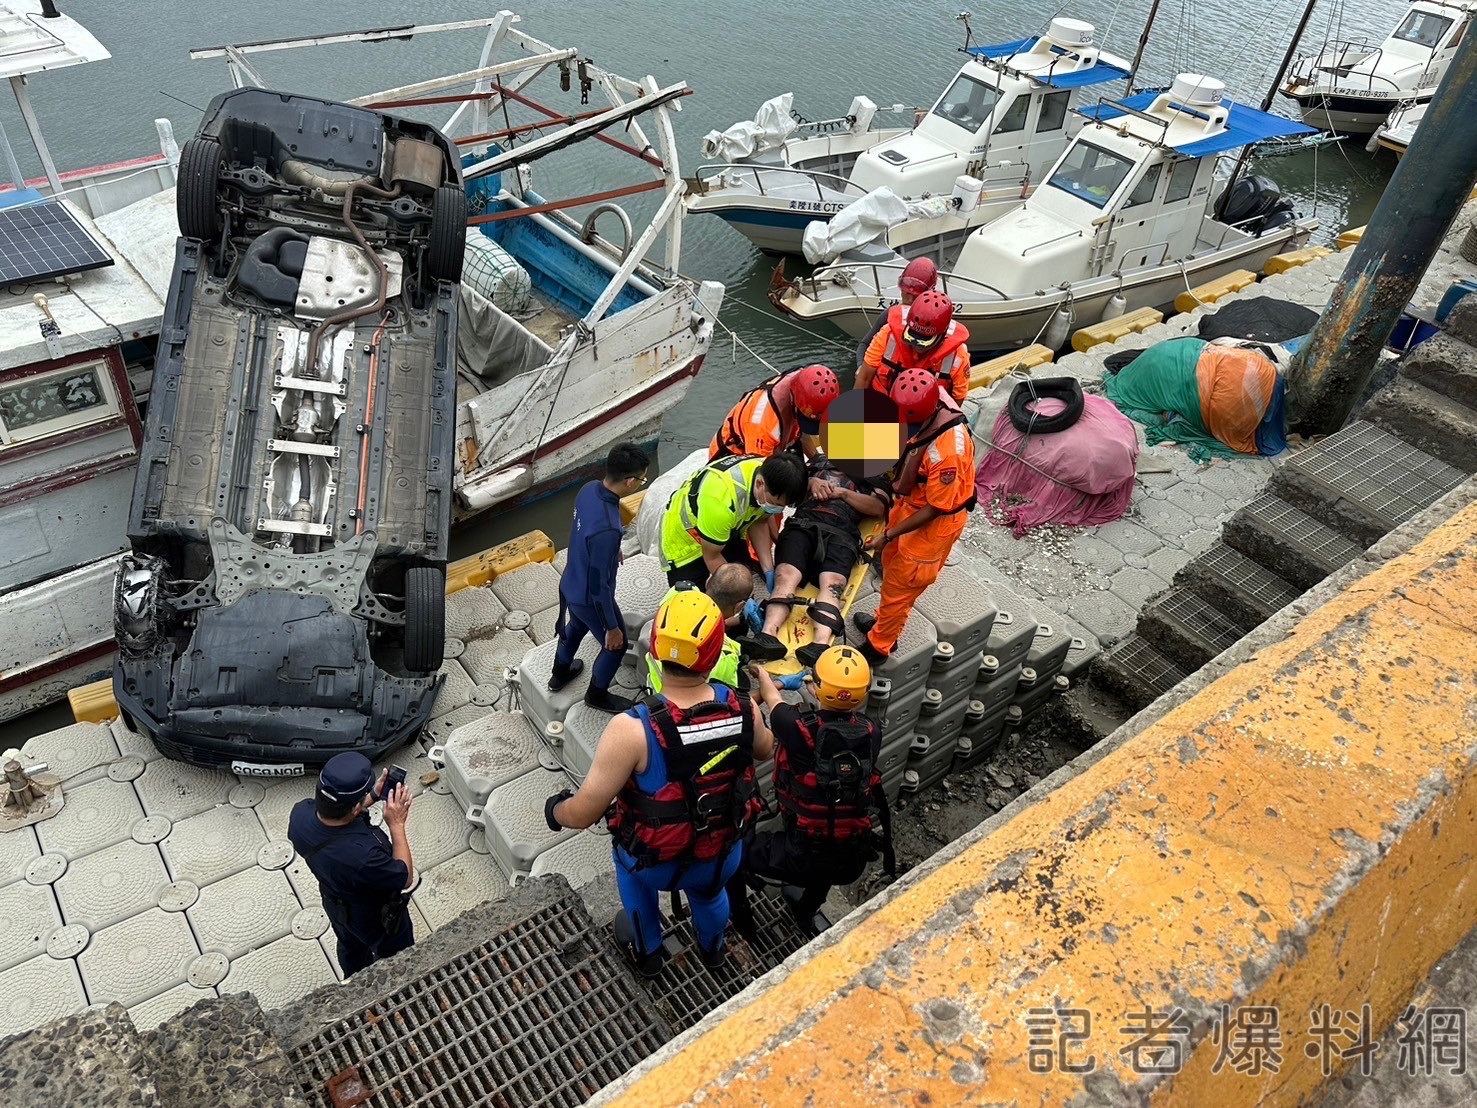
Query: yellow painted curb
x=1028, y=357
x=481, y=568
x=1212, y=291
x=1296, y=834
x=1281, y=263
x=93, y=703
x=1111, y=330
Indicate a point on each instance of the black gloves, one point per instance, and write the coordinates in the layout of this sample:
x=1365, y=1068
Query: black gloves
x=554, y=824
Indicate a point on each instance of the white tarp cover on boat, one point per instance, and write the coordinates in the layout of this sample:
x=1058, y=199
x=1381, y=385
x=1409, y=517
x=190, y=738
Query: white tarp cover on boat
x=771, y=125
x=491, y=344
x=860, y=222
x=654, y=503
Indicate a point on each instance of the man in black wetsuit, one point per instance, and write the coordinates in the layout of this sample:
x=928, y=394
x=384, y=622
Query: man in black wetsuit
x=819, y=545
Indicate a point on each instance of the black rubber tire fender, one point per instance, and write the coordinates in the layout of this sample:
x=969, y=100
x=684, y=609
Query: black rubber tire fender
x=197, y=194
x=1066, y=389
x=425, y=618
x=448, y=234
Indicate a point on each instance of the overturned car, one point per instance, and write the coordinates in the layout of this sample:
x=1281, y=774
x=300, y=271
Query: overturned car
x=284, y=597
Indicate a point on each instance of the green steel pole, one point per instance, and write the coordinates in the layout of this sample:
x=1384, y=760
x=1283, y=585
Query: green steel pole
x=1433, y=180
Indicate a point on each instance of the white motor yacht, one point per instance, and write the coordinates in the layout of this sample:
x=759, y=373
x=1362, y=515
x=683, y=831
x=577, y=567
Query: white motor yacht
x=1128, y=217
x=1352, y=87
x=1396, y=133
x=1002, y=120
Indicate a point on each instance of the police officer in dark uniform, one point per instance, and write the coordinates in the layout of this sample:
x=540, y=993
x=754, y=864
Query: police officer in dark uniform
x=364, y=875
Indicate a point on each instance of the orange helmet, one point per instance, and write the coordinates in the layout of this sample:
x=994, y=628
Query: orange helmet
x=916, y=394
x=812, y=389
x=918, y=276
x=928, y=319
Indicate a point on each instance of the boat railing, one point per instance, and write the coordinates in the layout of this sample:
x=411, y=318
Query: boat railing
x=814, y=176
x=1163, y=253
x=884, y=275
x=1306, y=72
x=1048, y=242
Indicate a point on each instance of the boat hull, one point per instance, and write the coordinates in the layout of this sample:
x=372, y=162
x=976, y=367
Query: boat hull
x=1344, y=114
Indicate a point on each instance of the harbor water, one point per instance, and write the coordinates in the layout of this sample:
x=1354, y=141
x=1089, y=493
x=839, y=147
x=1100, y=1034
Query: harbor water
x=734, y=56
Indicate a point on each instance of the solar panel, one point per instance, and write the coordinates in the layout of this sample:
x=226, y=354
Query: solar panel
x=45, y=240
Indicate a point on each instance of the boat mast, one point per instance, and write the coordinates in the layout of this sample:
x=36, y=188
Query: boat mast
x=1133, y=70
x=1297, y=37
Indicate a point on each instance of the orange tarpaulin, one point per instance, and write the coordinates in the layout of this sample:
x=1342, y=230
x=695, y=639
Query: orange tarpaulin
x=1236, y=385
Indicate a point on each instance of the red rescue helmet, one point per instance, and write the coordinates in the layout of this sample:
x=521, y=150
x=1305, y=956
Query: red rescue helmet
x=918, y=276
x=916, y=394
x=812, y=389
x=928, y=319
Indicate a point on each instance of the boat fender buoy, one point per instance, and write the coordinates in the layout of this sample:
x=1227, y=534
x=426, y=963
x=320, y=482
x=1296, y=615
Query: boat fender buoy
x=1116, y=306
x=1058, y=329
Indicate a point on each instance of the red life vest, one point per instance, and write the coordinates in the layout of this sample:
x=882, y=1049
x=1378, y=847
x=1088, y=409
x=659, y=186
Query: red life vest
x=898, y=355
x=830, y=801
x=709, y=797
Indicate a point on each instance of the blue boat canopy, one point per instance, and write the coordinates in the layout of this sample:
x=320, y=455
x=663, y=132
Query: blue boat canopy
x=1099, y=74
x=1244, y=127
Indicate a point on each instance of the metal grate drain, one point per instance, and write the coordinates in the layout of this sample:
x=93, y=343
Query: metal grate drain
x=1388, y=478
x=1277, y=517
x=541, y=1014
x=1135, y=655
x=1249, y=577
x=1199, y=619
x=687, y=990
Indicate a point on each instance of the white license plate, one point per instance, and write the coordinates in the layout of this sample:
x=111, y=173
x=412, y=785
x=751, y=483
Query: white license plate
x=252, y=769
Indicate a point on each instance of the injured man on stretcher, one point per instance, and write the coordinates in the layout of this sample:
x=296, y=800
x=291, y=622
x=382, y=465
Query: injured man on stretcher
x=819, y=545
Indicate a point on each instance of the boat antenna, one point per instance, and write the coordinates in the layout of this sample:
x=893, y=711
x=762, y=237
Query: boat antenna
x=1297, y=37
x=1138, y=56
x=177, y=100
x=963, y=17
x=48, y=10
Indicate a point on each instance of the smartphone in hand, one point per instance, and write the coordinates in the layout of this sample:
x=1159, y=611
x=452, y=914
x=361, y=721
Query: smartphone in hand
x=396, y=776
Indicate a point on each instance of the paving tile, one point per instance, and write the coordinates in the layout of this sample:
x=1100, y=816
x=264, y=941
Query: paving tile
x=543, y=627
x=439, y=730
x=449, y=889
x=1129, y=537
x=78, y=753
x=240, y=913
x=456, y=689
x=1197, y=542
x=280, y=972
x=151, y=1013
x=1164, y=518
x=473, y=613
x=412, y=759
x=214, y=844
x=18, y=849
x=1165, y=563
x=1135, y=586
x=496, y=656
x=94, y=816
x=112, y=884
x=139, y=958
x=37, y=992
x=531, y=588
x=514, y=819
x=282, y=796
x=177, y=790
x=301, y=878
x=1107, y=616
x=438, y=829
x=581, y=860
x=27, y=916
x=481, y=755
x=1198, y=500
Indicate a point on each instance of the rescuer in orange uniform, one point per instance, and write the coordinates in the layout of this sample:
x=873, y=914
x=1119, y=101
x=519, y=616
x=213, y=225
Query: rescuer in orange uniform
x=923, y=336
x=778, y=413
x=917, y=277
x=934, y=492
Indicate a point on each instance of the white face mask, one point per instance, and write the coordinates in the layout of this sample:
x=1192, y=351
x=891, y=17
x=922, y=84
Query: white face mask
x=772, y=509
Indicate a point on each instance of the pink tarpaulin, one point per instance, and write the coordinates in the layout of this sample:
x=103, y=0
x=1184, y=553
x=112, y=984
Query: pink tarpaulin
x=1082, y=476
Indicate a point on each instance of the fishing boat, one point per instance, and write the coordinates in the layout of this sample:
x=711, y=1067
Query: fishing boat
x=568, y=341
x=1128, y=217
x=1352, y=87
x=1396, y=133
x=973, y=155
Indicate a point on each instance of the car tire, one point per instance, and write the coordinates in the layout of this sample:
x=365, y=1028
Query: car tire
x=425, y=618
x=197, y=197
x=448, y=234
x=1066, y=389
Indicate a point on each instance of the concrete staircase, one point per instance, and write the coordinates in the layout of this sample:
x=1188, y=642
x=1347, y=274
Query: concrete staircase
x=1415, y=441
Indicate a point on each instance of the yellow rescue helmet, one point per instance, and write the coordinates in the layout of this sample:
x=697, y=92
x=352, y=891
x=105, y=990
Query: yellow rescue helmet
x=688, y=631
x=842, y=677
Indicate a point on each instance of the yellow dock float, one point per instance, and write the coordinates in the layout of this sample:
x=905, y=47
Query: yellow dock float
x=1027, y=357
x=503, y=558
x=1212, y=291
x=93, y=703
x=1111, y=330
x=1281, y=263
x=1350, y=238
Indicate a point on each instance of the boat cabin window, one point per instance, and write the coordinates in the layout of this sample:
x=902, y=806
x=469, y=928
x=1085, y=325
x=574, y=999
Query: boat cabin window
x=1181, y=180
x=1143, y=192
x=1053, y=111
x=968, y=103
x=1014, y=118
x=1423, y=29
x=1091, y=173
x=43, y=404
